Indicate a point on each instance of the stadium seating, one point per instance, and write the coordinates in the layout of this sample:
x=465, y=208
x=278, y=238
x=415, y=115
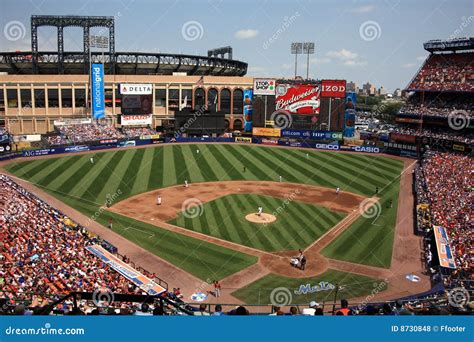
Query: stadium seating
x=441, y=72
x=443, y=181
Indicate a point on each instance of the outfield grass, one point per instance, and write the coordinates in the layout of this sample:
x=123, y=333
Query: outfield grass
x=123, y=173
x=369, y=241
x=297, y=225
x=283, y=288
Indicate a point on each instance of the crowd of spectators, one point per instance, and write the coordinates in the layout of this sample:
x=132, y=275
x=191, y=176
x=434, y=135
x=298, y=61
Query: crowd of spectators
x=453, y=72
x=444, y=182
x=133, y=132
x=444, y=134
x=42, y=251
x=436, y=110
x=82, y=133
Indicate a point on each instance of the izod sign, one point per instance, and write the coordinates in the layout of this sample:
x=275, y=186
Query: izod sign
x=263, y=86
x=136, y=89
x=333, y=88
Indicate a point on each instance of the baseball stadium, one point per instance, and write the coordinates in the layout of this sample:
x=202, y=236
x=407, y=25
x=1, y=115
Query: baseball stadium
x=137, y=183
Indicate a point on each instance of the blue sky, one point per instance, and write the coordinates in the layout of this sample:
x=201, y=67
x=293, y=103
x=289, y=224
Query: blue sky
x=376, y=41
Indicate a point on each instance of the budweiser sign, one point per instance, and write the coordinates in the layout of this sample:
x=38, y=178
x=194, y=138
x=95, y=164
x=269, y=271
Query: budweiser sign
x=298, y=99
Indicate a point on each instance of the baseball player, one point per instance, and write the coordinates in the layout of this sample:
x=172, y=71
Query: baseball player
x=307, y=155
x=186, y=183
x=260, y=211
x=92, y=160
x=158, y=200
x=338, y=190
x=280, y=179
x=197, y=151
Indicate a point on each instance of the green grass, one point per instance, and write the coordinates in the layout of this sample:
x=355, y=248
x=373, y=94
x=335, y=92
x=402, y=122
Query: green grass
x=123, y=173
x=283, y=288
x=297, y=226
x=202, y=259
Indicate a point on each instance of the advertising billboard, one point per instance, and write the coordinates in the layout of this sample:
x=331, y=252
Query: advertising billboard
x=98, y=106
x=136, y=89
x=263, y=86
x=349, y=122
x=266, y=132
x=248, y=110
x=333, y=88
x=301, y=99
x=136, y=120
x=137, y=104
x=351, y=100
x=445, y=253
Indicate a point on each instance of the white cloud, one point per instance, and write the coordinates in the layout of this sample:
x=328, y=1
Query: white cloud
x=409, y=65
x=246, y=34
x=342, y=54
x=364, y=9
x=323, y=60
x=352, y=63
x=421, y=58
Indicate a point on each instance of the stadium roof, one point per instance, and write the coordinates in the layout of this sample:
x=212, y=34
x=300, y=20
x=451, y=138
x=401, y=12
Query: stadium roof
x=438, y=45
x=126, y=63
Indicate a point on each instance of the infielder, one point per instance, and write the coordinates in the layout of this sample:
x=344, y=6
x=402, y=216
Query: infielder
x=260, y=211
x=158, y=200
x=338, y=190
x=186, y=183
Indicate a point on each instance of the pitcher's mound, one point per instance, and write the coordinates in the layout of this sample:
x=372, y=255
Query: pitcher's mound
x=264, y=218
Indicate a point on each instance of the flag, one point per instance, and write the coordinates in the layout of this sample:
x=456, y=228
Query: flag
x=200, y=82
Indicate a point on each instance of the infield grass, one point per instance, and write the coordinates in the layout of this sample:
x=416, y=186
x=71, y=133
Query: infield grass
x=297, y=225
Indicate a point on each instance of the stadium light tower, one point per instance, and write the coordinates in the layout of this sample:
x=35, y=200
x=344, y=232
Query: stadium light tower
x=296, y=49
x=308, y=49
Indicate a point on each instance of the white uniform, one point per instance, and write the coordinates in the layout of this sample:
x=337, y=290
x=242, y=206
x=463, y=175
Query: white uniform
x=92, y=160
x=197, y=151
x=280, y=179
x=307, y=155
x=158, y=200
x=186, y=183
x=338, y=190
x=260, y=210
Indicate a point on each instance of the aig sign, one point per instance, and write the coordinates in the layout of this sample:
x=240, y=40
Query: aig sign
x=263, y=86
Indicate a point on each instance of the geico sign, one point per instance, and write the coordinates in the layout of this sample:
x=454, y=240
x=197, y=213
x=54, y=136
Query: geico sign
x=327, y=147
x=367, y=149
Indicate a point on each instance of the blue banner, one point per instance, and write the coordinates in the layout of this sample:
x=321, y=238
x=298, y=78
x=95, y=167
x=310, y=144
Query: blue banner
x=98, y=107
x=248, y=110
x=349, y=123
x=313, y=135
x=237, y=328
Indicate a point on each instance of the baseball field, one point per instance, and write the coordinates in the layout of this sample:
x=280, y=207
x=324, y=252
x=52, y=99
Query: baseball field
x=202, y=229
